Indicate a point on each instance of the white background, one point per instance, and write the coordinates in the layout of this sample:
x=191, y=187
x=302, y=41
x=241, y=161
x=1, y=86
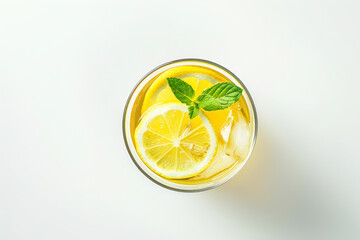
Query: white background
x=66, y=70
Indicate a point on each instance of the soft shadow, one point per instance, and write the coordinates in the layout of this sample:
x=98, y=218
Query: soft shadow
x=274, y=192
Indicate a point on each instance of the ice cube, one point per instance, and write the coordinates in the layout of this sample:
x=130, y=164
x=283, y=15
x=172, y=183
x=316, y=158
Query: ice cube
x=220, y=163
x=238, y=144
x=226, y=127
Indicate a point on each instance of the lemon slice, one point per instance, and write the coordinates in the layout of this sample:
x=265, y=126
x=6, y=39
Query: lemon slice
x=199, y=78
x=173, y=145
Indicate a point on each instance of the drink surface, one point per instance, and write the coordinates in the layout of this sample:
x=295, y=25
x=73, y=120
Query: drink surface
x=232, y=126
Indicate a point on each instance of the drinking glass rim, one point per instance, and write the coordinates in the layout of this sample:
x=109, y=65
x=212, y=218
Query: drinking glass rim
x=190, y=60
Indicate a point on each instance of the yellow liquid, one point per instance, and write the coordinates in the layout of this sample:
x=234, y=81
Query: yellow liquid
x=233, y=128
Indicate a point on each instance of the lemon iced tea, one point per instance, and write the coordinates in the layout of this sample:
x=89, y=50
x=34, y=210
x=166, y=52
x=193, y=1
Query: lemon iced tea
x=184, y=151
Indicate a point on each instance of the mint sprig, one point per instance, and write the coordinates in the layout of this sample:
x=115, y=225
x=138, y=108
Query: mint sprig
x=218, y=97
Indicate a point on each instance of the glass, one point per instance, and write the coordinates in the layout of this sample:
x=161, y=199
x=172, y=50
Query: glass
x=200, y=182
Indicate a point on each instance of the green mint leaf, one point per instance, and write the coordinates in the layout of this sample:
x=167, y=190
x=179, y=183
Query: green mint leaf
x=219, y=96
x=182, y=90
x=194, y=110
